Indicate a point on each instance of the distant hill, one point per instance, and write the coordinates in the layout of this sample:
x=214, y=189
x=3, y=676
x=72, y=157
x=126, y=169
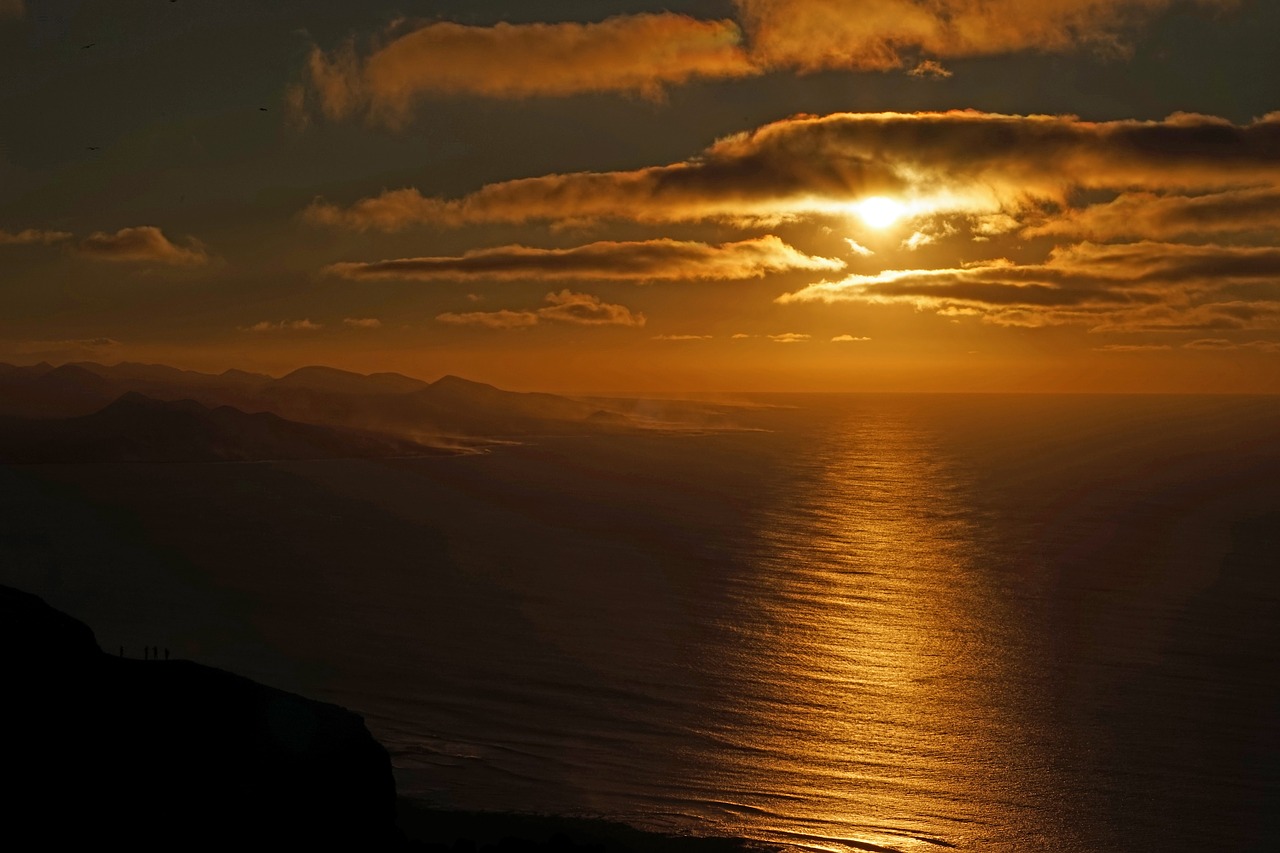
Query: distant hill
x=53, y=392
x=334, y=381
x=135, y=428
x=382, y=402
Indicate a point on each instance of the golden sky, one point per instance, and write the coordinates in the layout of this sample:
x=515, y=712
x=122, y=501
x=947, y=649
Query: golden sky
x=1068, y=195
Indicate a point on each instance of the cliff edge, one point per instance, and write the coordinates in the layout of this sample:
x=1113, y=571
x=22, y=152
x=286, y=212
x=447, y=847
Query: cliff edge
x=171, y=755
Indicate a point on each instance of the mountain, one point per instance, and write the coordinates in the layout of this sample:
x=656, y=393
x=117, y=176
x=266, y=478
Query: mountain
x=135, y=428
x=334, y=381
x=380, y=402
x=53, y=392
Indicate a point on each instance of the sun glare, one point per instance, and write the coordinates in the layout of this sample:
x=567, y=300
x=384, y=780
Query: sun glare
x=879, y=212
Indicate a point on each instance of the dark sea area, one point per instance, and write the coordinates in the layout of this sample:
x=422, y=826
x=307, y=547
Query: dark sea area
x=837, y=622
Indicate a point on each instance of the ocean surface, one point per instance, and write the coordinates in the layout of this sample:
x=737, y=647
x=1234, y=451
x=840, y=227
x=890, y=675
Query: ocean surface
x=849, y=622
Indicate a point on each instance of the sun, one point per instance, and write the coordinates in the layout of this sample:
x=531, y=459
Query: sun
x=879, y=212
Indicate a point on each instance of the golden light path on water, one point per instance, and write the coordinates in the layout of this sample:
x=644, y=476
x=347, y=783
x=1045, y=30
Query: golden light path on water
x=878, y=715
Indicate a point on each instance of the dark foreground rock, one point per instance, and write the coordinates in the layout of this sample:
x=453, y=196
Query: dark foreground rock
x=103, y=752
x=172, y=755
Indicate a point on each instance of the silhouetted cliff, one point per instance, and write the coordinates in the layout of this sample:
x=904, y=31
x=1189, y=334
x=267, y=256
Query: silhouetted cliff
x=171, y=755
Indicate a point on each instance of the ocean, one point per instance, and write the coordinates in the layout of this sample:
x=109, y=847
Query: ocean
x=834, y=622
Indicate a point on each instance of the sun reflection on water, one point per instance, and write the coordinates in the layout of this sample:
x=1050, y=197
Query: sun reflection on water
x=875, y=711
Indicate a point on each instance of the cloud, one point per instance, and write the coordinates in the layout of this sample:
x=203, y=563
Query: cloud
x=627, y=53
x=1108, y=287
x=651, y=260
x=1156, y=216
x=565, y=306
x=283, y=326
x=877, y=35
x=857, y=248
x=62, y=350
x=789, y=338
x=32, y=235
x=805, y=167
x=682, y=337
x=144, y=243
x=916, y=240
x=362, y=322
x=644, y=53
x=1224, y=344
x=586, y=310
x=844, y=339
x=1133, y=348
x=501, y=319
x=12, y=9
x=741, y=336
x=929, y=70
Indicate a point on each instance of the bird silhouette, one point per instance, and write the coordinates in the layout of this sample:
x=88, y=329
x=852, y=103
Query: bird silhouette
x=89, y=45
x=262, y=109
x=93, y=148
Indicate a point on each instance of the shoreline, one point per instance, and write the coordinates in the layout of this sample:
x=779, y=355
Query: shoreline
x=426, y=827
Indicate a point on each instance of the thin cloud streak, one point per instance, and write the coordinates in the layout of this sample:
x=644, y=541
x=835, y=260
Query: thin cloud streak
x=304, y=325
x=29, y=236
x=1144, y=285
x=651, y=260
x=1156, y=216
x=565, y=306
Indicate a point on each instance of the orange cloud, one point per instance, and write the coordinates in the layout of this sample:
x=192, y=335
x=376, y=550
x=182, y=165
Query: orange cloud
x=643, y=53
x=650, y=260
x=283, y=326
x=789, y=338
x=580, y=309
x=627, y=53
x=877, y=35
x=144, y=243
x=362, y=322
x=32, y=235
x=1162, y=216
x=809, y=166
x=1138, y=286
x=1221, y=344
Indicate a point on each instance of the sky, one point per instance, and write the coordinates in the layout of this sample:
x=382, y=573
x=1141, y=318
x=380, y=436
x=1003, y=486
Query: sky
x=707, y=195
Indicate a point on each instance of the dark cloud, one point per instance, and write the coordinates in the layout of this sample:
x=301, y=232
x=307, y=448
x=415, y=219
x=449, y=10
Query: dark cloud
x=810, y=166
